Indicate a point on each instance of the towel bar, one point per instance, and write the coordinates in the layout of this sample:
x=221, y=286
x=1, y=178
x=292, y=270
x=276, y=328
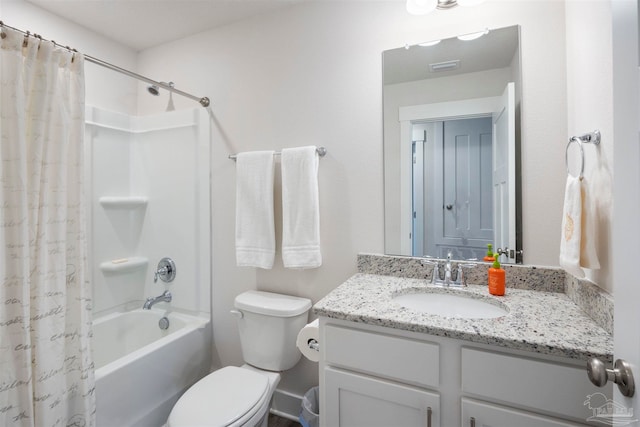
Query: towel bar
x=320, y=150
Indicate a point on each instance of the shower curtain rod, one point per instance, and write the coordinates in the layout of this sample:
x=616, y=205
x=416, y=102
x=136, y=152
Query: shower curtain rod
x=203, y=101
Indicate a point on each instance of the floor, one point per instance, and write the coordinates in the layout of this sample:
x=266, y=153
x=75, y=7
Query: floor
x=276, y=421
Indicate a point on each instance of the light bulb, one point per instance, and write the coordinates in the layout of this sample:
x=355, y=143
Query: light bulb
x=473, y=36
x=431, y=43
x=421, y=7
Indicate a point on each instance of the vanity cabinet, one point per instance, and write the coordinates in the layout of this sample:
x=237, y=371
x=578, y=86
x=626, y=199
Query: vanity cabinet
x=378, y=376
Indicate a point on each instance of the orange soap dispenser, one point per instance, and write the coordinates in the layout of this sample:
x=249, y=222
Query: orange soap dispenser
x=496, y=279
x=490, y=255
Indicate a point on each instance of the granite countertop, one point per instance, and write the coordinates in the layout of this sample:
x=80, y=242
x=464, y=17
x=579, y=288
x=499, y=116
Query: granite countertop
x=541, y=322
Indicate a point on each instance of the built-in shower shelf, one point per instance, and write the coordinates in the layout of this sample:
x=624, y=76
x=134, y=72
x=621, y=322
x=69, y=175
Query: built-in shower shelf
x=123, y=265
x=124, y=202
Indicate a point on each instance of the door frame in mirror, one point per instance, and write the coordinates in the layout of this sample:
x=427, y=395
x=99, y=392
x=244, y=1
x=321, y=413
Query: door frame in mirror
x=441, y=111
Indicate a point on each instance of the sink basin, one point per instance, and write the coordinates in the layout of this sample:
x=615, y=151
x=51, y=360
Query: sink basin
x=450, y=305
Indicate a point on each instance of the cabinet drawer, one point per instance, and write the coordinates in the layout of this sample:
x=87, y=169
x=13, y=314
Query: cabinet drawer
x=480, y=414
x=539, y=385
x=404, y=359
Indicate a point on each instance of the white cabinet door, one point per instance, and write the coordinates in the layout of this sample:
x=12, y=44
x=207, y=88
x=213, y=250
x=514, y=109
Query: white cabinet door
x=480, y=414
x=360, y=401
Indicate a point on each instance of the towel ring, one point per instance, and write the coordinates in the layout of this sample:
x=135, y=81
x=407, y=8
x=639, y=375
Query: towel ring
x=592, y=138
x=566, y=156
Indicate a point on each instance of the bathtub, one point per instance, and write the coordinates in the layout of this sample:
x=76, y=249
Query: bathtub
x=142, y=370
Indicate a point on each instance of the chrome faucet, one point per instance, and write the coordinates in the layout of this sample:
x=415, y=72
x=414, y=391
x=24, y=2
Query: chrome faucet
x=447, y=273
x=447, y=270
x=151, y=301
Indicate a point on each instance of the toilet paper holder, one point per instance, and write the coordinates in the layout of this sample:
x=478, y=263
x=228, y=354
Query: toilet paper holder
x=313, y=344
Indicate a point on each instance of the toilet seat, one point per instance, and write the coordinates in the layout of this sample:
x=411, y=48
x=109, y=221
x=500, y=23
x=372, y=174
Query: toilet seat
x=228, y=396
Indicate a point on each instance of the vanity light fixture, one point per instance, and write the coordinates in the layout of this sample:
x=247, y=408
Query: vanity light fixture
x=422, y=7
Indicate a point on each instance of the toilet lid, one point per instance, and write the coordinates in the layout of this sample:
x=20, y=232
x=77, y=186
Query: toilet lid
x=220, y=398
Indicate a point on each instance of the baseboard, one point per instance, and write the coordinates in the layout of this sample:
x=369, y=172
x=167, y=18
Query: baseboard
x=286, y=404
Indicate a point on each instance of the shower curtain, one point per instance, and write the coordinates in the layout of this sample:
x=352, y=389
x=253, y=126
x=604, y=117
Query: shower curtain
x=46, y=372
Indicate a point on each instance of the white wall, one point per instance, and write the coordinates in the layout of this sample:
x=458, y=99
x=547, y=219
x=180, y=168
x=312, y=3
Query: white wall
x=589, y=65
x=311, y=74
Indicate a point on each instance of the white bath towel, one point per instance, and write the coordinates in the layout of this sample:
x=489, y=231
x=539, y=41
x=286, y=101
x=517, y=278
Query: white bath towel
x=577, y=244
x=300, y=208
x=255, y=229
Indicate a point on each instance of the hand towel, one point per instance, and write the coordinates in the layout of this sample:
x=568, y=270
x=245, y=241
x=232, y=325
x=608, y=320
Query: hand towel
x=255, y=229
x=300, y=208
x=578, y=242
x=571, y=227
x=588, y=236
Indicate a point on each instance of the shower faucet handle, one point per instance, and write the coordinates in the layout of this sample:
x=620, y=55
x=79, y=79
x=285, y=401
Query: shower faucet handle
x=166, y=270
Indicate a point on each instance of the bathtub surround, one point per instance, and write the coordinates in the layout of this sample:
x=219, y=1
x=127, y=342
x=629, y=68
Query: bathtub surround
x=46, y=363
x=149, y=198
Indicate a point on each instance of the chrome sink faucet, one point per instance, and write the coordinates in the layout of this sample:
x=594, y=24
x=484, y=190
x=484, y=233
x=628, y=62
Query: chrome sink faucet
x=151, y=301
x=447, y=273
x=447, y=270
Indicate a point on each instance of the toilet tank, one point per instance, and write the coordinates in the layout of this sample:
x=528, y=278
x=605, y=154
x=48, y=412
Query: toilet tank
x=268, y=325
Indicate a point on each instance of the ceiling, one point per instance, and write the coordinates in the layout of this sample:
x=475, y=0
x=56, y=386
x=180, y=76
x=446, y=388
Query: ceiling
x=142, y=24
x=493, y=50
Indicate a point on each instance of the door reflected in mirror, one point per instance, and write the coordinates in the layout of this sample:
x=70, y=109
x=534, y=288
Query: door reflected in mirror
x=451, y=147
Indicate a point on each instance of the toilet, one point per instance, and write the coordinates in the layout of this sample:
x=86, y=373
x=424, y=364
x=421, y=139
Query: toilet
x=233, y=396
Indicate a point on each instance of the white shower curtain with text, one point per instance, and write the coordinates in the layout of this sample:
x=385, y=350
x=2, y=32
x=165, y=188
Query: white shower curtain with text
x=46, y=368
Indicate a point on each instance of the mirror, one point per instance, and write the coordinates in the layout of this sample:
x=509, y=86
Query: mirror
x=451, y=146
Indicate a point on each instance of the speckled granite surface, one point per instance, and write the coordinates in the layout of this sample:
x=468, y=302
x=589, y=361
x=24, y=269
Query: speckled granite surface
x=518, y=276
x=592, y=300
x=538, y=321
x=596, y=303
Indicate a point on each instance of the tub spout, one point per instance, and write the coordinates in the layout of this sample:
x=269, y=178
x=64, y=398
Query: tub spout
x=151, y=301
